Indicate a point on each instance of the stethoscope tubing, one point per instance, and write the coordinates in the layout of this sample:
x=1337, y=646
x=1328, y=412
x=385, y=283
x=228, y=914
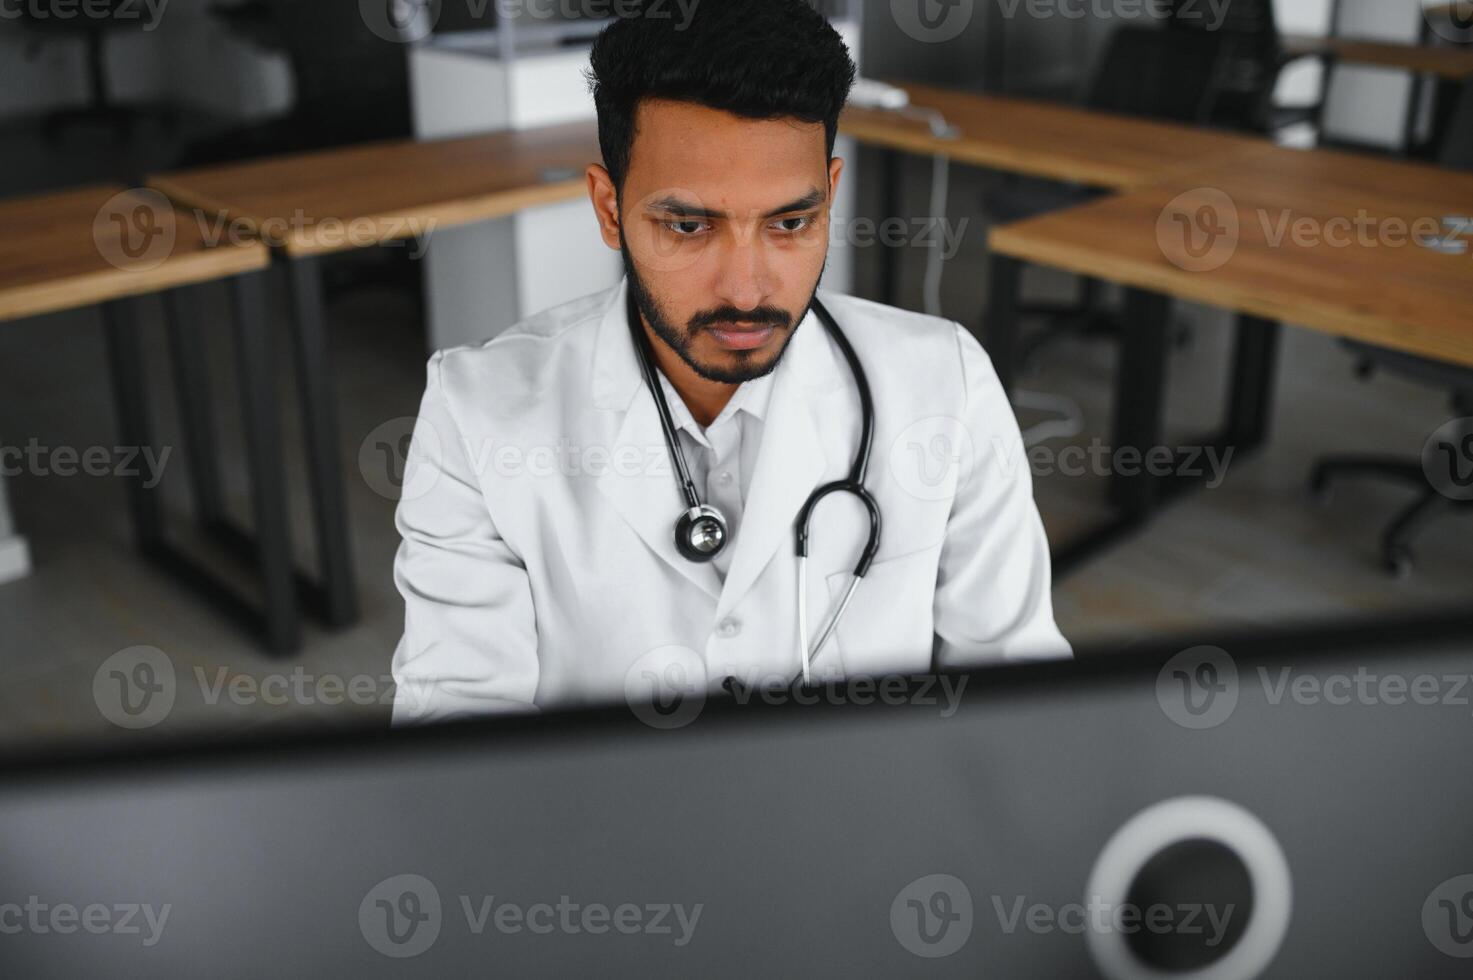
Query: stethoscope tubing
x=853, y=484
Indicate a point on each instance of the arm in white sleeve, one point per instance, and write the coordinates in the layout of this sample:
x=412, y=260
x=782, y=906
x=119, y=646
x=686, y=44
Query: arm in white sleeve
x=470, y=635
x=993, y=591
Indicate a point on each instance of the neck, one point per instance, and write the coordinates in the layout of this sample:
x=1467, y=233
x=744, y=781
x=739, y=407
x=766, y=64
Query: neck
x=703, y=397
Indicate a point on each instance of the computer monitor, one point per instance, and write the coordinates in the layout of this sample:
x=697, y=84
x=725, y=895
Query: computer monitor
x=1215, y=813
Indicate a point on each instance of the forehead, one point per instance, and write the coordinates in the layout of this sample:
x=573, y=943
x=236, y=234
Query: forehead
x=725, y=159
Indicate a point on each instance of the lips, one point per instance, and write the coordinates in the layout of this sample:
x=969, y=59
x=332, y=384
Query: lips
x=742, y=337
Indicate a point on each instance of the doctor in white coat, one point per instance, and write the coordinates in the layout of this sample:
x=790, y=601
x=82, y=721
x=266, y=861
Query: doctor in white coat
x=539, y=564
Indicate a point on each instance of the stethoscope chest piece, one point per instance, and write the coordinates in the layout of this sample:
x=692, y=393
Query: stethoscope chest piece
x=700, y=534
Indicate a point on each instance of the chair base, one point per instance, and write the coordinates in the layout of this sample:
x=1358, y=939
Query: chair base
x=1397, y=557
x=1085, y=319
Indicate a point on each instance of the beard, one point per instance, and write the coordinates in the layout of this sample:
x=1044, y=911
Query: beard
x=747, y=366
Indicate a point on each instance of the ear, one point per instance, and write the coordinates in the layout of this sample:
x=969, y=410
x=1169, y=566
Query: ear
x=836, y=167
x=605, y=200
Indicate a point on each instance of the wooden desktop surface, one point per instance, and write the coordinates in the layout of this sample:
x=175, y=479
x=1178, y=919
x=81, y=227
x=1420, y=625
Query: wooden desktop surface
x=1454, y=63
x=1324, y=239
x=354, y=197
x=1043, y=139
x=358, y=196
x=88, y=245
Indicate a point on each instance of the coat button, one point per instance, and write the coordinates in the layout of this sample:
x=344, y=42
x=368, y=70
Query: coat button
x=729, y=628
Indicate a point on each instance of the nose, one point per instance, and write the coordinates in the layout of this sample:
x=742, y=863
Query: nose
x=746, y=278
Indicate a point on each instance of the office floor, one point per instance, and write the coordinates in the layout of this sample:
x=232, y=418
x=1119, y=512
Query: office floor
x=1256, y=550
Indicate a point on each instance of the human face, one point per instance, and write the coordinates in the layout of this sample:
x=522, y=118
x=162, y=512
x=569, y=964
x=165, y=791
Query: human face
x=723, y=223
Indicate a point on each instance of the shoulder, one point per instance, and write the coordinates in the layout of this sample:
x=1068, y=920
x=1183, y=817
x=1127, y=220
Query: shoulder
x=911, y=346
x=536, y=359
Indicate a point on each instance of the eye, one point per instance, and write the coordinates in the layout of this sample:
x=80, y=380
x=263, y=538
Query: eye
x=794, y=225
x=685, y=227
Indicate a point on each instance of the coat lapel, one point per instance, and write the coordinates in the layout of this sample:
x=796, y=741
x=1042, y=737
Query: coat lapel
x=791, y=461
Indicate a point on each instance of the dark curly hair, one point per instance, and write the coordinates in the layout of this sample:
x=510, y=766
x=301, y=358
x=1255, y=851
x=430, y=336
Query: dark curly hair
x=762, y=59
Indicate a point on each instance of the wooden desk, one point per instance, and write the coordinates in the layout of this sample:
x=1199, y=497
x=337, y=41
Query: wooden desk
x=1451, y=63
x=356, y=197
x=1318, y=238
x=1385, y=290
x=107, y=245
x=1042, y=139
x=101, y=243
x=309, y=205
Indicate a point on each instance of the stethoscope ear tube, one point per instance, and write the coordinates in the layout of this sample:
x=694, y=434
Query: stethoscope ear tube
x=805, y=516
x=854, y=484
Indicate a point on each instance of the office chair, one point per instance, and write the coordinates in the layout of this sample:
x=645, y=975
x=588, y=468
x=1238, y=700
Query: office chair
x=1396, y=551
x=1252, y=59
x=101, y=18
x=1357, y=99
x=351, y=86
x=1144, y=71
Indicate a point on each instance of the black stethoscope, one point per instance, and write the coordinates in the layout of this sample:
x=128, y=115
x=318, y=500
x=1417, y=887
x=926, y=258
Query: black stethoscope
x=701, y=531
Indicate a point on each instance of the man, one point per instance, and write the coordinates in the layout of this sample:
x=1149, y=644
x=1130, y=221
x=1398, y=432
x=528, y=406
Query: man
x=539, y=563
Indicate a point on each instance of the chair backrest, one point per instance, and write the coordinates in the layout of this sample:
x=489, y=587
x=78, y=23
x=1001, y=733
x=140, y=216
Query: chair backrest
x=1457, y=140
x=1147, y=71
x=1399, y=21
x=1248, y=66
x=1371, y=105
x=1246, y=17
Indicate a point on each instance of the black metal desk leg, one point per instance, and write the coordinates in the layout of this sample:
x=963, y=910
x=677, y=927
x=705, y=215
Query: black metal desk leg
x=1250, y=400
x=1140, y=395
x=263, y=458
x=135, y=428
x=1000, y=331
x=892, y=186
x=186, y=329
x=324, y=467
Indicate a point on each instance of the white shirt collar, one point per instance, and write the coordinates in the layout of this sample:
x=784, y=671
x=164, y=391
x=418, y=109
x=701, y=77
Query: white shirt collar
x=751, y=397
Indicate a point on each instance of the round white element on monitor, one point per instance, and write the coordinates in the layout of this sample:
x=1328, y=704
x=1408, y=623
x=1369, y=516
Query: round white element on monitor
x=1173, y=821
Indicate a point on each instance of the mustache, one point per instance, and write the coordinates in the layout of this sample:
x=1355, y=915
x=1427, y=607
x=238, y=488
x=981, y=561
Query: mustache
x=730, y=314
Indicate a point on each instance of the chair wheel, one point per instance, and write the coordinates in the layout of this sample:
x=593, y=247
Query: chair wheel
x=1398, y=563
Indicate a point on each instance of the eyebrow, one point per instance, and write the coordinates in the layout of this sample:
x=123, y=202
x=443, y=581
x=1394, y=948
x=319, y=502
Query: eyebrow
x=679, y=208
